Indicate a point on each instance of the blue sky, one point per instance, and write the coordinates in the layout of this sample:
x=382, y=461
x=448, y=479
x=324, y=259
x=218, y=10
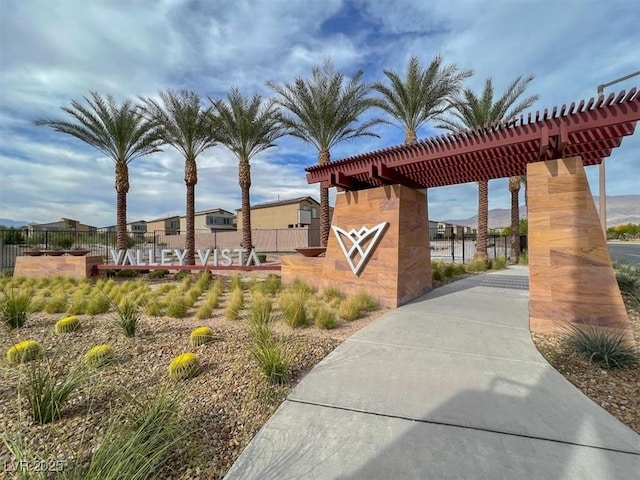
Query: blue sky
x=55, y=51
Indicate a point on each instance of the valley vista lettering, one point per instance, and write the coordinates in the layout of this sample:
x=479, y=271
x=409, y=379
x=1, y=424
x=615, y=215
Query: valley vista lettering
x=225, y=257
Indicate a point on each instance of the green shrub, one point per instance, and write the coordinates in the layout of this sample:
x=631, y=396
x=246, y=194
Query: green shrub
x=139, y=445
x=99, y=356
x=628, y=281
x=458, y=269
x=436, y=276
x=182, y=275
x=200, y=336
x=499, y=263
x=153, y=274
x=604, y=348
x=523, y=259
x=67, y=325
x=324, y=317
x=293, y=308
x=23, y=352
x=15, y=308
x=476, y=265
x=186, y=365
x=448, y=270
x=46, y=393
x=262, y=257
x=127, y=273
x=128, y=316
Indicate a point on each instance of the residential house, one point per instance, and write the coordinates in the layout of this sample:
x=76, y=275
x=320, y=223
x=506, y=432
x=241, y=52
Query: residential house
x=213, y=220
x=164, y=226
x=301, y=212
x=65, y=224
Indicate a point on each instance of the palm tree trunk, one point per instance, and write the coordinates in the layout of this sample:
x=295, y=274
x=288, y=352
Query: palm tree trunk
x=483, y=220
x=324, y=157
x=190, y=179
x=244, y=177
x=122, y=188
x=410, y=137
x=514, y=188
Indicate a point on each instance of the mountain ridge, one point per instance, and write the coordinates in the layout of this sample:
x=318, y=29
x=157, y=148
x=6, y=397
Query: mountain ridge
x=621, y=209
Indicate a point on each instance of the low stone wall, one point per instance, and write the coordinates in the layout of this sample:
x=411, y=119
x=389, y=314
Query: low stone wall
x=48, y=266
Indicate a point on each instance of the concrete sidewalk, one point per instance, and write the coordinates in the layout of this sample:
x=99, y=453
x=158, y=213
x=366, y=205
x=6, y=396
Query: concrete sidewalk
x=449, y=386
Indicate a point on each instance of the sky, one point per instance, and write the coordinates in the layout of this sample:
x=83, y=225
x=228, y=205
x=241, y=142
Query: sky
x=54, y=51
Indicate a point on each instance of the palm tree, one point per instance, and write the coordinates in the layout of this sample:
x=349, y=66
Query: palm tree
x=246, y=127
x=323, y=112
x=118, y=131
x=421, y=95
x=185, y=125
x=514, y=189
x=472, y=111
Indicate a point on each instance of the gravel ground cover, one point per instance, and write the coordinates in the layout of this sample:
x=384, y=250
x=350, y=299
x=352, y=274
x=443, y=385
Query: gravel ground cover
x=224, y=406
x=231, y=399
x=616, y=390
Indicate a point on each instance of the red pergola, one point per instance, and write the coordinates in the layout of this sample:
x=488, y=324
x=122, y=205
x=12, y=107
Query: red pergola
x=590, y=130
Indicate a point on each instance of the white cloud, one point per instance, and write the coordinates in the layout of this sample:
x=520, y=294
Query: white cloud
x=53, y=52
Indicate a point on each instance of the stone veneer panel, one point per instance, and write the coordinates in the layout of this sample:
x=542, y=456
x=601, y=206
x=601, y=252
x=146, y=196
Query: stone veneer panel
x=399, y=269
x=571, y=275
x=49, y=266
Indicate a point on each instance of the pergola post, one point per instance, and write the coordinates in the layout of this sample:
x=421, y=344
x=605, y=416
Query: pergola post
x=571, y=276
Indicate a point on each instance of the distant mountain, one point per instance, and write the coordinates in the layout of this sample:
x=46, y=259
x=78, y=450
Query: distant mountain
x=620, y=209
x=12, y=223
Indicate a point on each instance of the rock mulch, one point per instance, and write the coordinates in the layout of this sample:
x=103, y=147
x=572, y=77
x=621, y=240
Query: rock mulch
x=615, y=390
x=224, y=406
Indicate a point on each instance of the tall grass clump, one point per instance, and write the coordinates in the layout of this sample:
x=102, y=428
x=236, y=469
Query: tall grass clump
x=128, y=316
x=77, y=303
x=269, y=351
x=293, y=308
x=299, y=286
x=260, y=310
x=56, y=304
x=140, y=444
x=15, y=309
x=235, y=304
x=476, y=265
x=47, y=391
x=499, y=263
x=324, y=317
x=98, y=303
x=349, y=310
x=523, y=259
x=177, y=306
x=333, y=294
x=235, y=282
x=604, y=348
x=628, y=279
x=365, y=302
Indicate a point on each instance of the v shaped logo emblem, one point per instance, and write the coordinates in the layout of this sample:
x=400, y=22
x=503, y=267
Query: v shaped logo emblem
x=357, y=241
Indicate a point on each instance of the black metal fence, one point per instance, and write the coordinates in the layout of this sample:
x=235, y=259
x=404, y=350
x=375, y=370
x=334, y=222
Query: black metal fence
x=15, y=242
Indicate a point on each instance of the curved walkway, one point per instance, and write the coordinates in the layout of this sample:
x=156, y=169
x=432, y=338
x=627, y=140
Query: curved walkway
x=449, y=386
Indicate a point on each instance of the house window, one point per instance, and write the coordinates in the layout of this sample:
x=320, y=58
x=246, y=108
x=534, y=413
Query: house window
x=314, y=212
